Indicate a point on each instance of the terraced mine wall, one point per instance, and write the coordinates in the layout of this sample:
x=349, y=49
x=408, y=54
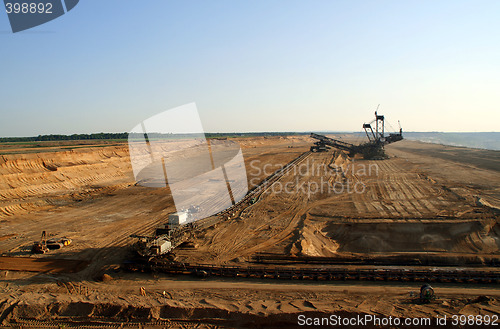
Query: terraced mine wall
x=36, y=181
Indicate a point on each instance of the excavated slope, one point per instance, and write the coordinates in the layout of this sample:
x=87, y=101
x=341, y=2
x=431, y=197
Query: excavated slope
x=42, y=180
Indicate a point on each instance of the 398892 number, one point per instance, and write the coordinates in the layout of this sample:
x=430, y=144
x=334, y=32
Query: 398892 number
x=29, y=8
x=477, y=320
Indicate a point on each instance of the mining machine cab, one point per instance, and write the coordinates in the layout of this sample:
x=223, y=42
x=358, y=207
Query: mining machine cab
x=427, y=294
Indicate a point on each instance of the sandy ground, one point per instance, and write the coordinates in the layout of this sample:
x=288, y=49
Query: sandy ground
x=387, y=206
x=425, y=198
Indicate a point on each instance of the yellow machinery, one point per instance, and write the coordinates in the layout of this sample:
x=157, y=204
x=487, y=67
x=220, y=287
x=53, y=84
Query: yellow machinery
x=44, y=245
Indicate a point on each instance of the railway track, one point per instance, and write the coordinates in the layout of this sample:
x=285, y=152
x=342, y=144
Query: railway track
x=256, y=192
x=320, y=274
x=100, y=324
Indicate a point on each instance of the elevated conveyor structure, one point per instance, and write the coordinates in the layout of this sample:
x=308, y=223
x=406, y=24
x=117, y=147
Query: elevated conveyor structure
x=372, y=149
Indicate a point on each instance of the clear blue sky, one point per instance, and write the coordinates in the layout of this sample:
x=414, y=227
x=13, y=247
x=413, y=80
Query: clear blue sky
x=255, y=65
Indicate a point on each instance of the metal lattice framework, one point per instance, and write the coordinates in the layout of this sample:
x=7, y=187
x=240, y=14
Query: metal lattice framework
x=371, y=149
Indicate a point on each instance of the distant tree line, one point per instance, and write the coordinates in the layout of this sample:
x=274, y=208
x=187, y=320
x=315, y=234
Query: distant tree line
x=124, y=136
x=74, y=137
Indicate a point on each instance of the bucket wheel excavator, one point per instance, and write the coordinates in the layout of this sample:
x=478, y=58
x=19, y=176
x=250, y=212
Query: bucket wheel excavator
x=373, y=149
